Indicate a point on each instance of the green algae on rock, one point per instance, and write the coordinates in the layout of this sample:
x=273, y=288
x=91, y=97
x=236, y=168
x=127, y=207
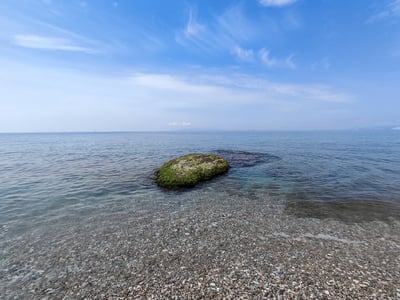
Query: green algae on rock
x=190, y=169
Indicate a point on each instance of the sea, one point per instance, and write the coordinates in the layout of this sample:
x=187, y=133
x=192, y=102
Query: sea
x=52, y=175
x=52, y=183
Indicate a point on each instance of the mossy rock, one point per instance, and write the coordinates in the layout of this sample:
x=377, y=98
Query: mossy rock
x=190, y=169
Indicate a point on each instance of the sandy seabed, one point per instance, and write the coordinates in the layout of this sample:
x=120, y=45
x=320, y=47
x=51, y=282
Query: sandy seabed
x=197, y=247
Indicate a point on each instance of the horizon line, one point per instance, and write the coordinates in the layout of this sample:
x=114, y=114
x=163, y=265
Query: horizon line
x=197, y=130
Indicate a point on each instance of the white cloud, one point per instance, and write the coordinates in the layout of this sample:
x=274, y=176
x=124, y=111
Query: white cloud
x=263, y=57
x=266, y=59
x=49, y=43
x=276, y=2
x=74, y=100
x=179, y=124
x=246, y=55
x=390, y=10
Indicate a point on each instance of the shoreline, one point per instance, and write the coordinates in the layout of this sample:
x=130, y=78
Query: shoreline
x=195, y=246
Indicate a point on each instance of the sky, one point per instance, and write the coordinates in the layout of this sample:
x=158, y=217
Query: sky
x=155, y=65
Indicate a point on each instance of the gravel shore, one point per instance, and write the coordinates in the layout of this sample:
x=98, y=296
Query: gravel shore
x=193, y=246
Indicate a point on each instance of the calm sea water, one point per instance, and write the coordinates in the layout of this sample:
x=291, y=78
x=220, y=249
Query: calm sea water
x=44, y=176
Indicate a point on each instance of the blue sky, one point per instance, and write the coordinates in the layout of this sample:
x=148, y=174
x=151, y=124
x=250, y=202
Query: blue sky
x=111, y=65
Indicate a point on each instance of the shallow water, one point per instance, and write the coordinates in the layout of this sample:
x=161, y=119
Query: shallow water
x=47, y=175
x=65, y=197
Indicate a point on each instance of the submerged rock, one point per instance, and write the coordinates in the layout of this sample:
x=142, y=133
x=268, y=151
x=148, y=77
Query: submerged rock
x=346, y=210
x=240, y=159
x=190, y=169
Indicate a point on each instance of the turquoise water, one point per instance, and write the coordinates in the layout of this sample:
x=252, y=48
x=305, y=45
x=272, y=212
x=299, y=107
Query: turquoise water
x=53, y=175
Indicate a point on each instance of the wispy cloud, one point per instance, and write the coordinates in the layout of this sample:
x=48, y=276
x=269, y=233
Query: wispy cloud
x=238, y=25
x=49, y=43
x=232, y=32
x=193, y=27
x=168, y=82
x=241, y=85
x=289, y=62
x=242, y=54
x=40, y=33
x=74, y=100
x=201, y=38
x=276, y=2
x=222, y=33
x=263, y=57
x=390, y=10
x=269, y=61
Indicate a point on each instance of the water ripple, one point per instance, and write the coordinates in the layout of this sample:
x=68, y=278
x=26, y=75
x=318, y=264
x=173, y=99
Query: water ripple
x=53, y=174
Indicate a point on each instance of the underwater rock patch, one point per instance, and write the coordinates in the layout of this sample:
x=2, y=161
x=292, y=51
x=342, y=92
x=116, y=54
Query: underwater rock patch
x=190, y=169
x=240, y=159
x=346, y=210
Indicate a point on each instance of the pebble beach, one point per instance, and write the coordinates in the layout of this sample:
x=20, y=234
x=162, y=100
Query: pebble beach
x=238, y=246
x=81, y=217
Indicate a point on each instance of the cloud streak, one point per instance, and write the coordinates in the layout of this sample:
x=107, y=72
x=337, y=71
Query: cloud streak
x=239, y=86
x=276, y=2
x=74, y=100
x=222, y=33
x=49, y=43
x=193, y=27
x=390, y=10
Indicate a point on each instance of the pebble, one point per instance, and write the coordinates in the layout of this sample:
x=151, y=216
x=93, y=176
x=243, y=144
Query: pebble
x=230, y=249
